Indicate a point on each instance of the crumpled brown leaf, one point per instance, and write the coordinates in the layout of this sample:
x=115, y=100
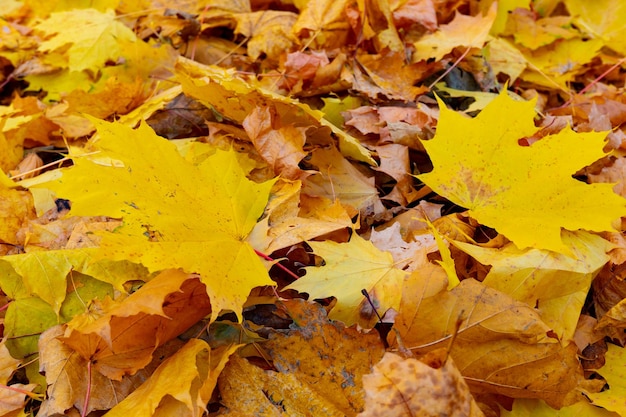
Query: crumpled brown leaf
x=409, y=387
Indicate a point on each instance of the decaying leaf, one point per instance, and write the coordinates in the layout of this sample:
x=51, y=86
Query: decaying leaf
x=408, y=387
x=320, y=366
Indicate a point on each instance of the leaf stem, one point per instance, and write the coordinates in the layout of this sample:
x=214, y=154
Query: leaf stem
x=278, y=264
x=594, y=82
x=88, y=393
x=21, y=391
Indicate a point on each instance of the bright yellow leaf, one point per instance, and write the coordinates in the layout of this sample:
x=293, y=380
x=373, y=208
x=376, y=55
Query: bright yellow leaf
x=176, y=214
x=556, y=64
x=603, y=19
x=527, y=193
x=613, y=399
x=93, y=37
x=351, y=267
x=526, y=407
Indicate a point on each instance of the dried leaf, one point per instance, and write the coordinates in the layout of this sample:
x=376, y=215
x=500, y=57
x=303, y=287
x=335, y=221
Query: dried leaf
x=408, y=387
x=122, y=337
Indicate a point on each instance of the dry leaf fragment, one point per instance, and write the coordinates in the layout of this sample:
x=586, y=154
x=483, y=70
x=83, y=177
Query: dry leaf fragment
x=408, y=387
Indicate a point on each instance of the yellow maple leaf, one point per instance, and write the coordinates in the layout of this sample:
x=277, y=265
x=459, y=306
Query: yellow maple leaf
x=351, y=267
x=526, y=193
x=594, y=19
x=176, y=214
x=615, y=375
x=94, y=37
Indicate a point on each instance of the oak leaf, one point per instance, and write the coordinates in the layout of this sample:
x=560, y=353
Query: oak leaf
x=478, y=164
x=349, y=268
x=408, y=387
x=176, y=213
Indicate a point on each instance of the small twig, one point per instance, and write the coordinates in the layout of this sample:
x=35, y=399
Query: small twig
x=594, y=82
x=369, y=300
x=459, y=59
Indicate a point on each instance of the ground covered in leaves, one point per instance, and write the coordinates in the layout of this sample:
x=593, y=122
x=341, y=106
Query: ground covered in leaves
x=312, y=208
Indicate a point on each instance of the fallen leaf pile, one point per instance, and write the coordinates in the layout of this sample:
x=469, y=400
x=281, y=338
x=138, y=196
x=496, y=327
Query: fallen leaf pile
x=312, y=208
